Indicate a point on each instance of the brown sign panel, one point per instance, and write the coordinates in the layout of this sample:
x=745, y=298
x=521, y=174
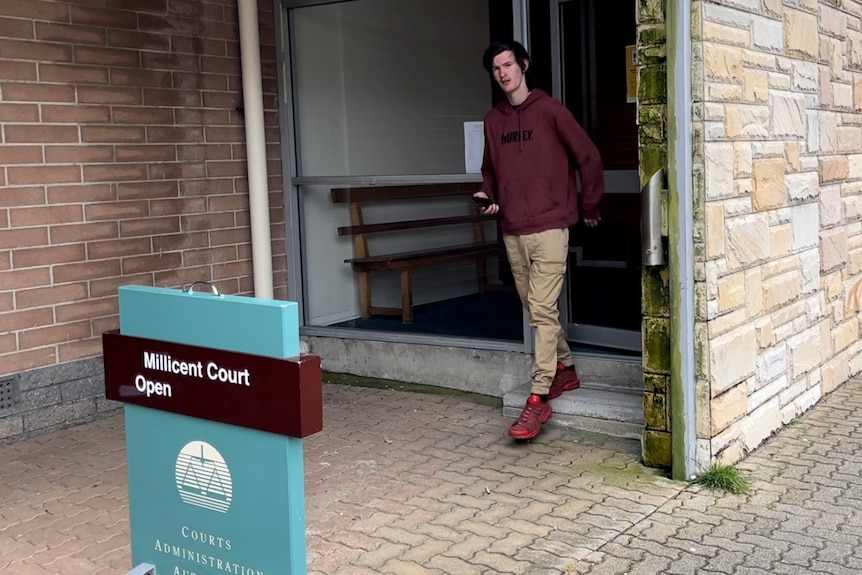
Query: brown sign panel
x=283, y=396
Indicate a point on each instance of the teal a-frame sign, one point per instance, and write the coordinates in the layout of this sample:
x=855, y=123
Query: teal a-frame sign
x=217, y=400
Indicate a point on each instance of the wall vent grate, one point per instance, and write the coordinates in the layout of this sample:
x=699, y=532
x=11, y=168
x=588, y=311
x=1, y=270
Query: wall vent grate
x=8, y=393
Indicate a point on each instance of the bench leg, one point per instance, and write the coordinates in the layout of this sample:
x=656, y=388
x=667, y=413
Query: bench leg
x=365, y=294
x=406, y=297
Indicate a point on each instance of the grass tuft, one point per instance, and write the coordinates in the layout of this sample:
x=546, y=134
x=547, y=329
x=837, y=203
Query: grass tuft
x=723, y=477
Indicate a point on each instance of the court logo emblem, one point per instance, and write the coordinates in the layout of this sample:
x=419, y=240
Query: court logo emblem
x=203, y=477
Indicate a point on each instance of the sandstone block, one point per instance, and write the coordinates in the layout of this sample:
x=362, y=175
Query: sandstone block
x=769, y=184
x=834, y=249
x=830, y=205
x=748, y=239
x=804, y=186
x=805, y=221
x=719, y=169
x=789, y=117
x=747, y=122
x=801, y=38
x=732, y=358
x=729, y=407
x=834, y=169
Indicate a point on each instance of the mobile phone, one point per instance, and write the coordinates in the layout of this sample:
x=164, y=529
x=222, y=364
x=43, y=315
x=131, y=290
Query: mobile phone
x=481, y=202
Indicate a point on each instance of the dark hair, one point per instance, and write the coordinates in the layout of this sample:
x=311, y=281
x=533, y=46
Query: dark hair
x=521, y=57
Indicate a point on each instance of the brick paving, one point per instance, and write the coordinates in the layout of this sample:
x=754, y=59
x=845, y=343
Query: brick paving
x=407, y=483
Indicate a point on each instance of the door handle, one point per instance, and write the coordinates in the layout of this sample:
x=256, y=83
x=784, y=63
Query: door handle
x=653, y=252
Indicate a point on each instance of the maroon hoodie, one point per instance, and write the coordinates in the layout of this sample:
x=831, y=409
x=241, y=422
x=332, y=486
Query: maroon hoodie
x=533, y=154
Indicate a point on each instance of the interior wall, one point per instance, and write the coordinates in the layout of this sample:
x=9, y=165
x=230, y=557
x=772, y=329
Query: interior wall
x=383, y=88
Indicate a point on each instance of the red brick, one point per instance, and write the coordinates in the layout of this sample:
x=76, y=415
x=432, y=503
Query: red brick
x=202, y=116
x=176, y=170
x=53, y=32
x=19, y=197
x=108, y=95
x=107, y=56
x=5, y=260
x=51, y=295
x=45, y=336
x=36, y=10
x=170, y=60
x=225, y=169
x=119, y=248
x=221, y=65
x=173, y=98
x=174, y=135
x=35, y=134
x=76, y=114
x=34, y=216
x=79, y=349
x=104, y=18
x=182, y=241
x=26, y=278
x=83, y=232
x=27, y=360
x=222, y=134
x=112, y=134
x=43, y=175
x=103, y=324
x=19, y=112
x=219, y=30
x=231, y=202
x=80, y=154
x=33, y=257
x=205, y=187
x=150, y=227
x=86, y=310
x=72, y=74
x=178, y=206
x=169, y=25
x=28, y=318
x=152, y=153
x=86, y=271
x=155, y=6
x=141, y=78
x=153, y=262
x=232, y=269
x=80, y=193
x=209, y=221
x=224, y=100
x=139, y=40
x=8, y=344
x=18, y=71
x=20, y=238
x=37, y=92
x=183, y=276
x=110, y=286
x=132, y=191
x=27, y=50
x=210, y=256
x=230, y=236
x=199, y=46
x=15, y=28
x=204, y=152
x=115, y=172
x=122, y=210
x=22, y=154
x=143, y=116
x=207, y=82
x=202, y=10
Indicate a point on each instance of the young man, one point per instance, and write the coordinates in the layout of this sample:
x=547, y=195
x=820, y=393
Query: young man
x=534, y=150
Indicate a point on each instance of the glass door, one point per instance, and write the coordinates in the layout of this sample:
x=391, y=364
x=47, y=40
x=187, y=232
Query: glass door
x=592, y=54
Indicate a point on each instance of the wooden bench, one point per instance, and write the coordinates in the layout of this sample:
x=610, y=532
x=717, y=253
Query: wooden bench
x=364, y=262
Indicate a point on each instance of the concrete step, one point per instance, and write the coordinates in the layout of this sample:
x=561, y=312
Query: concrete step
x=598, y=407
x=616, y=372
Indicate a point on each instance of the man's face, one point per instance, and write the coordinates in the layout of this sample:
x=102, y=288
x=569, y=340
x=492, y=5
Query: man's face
x=507, y=73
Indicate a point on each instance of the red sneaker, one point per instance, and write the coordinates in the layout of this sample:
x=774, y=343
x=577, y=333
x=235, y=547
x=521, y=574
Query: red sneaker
x=536, y=413
x=566, y=379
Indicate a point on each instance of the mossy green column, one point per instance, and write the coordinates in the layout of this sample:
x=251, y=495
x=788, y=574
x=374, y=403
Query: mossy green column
x=652, y=136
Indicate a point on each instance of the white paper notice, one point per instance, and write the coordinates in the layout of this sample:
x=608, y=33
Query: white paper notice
x=474, y=146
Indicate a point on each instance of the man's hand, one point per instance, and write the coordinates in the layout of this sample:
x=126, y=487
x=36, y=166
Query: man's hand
x=492, y=209
x=591, y=223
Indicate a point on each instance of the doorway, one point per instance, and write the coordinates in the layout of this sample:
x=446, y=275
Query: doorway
x=587, y=49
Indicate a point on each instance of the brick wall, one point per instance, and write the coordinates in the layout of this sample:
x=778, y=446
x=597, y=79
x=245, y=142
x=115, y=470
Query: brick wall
x=778, y=109
x=123, y=161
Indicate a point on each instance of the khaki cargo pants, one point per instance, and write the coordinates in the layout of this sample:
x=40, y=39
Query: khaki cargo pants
x=538, y=264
